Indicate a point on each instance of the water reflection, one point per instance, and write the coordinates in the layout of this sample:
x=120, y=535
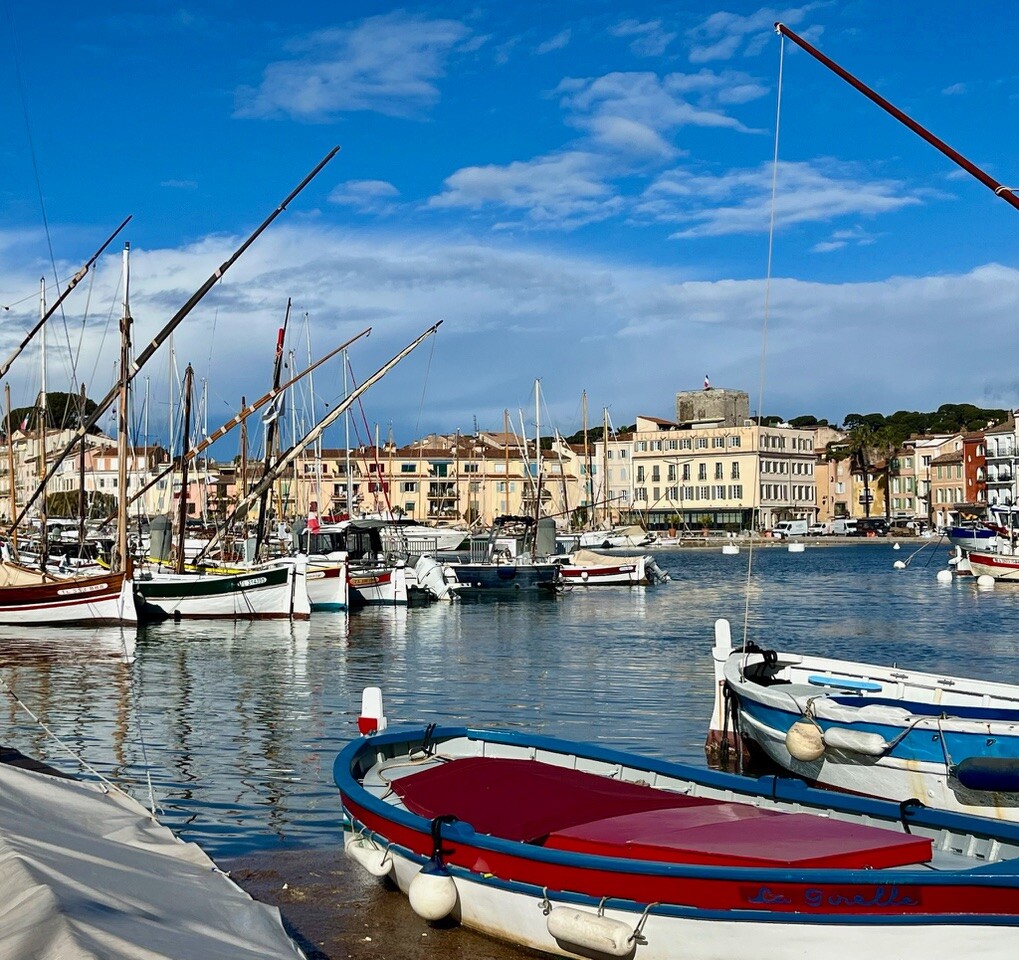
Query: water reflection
x=238, y=724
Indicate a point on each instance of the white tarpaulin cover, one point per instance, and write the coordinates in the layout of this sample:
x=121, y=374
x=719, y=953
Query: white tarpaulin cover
x=85, y=874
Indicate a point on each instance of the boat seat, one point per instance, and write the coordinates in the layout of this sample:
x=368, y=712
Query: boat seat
x=526, y=800
x=844, y=683
x=566, y=809
x=738, y=834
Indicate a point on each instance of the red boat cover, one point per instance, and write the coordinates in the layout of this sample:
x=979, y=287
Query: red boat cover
x=567, y=809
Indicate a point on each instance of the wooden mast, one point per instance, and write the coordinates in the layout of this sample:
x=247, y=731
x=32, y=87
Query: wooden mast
x=271, y=430
x=41, y=430
x=1006, y=193
x=82, y=505
x=121, y=559
x=189, y=376
x=605, y=464
x=13, y=492
x=168, y=328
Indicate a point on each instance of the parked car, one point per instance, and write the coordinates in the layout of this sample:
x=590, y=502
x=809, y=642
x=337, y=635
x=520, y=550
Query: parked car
x=843, y=527
x=871, y=527
x=819, y=530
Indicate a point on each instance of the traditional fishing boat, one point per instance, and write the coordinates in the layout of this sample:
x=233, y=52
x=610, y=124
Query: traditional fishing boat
x=579, y=850
x=886, y=732
x=1001, y=564
x=272, y=592
x=587, y=568
x=43, y=599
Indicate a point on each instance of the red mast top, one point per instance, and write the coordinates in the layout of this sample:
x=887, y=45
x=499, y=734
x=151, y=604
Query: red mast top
x=1006, y=193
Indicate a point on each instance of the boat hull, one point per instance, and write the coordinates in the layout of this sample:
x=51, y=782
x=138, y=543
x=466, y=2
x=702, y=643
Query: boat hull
x=271, y=593
x=106, y=599
x=475, y=579
x=1000, y=566
x=629, y=573
x=384, y=586
x=887, y=732
x=695, y=911
x=327, y=586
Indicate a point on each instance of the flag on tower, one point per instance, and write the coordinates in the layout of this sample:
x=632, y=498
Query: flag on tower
x=707, y=382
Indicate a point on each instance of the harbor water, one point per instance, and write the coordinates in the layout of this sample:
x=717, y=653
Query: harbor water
x=233, y=728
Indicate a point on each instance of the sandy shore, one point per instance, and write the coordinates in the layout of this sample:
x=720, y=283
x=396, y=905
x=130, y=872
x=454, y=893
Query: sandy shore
x=335, y=911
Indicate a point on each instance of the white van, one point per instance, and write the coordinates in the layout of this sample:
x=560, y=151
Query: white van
x=789, y=528
x=843, y=527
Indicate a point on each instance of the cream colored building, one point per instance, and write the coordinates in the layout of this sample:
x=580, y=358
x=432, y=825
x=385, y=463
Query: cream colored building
x=717, y=476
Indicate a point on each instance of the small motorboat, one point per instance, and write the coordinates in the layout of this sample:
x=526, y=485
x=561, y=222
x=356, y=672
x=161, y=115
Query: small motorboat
x=888, y=732
x=582, y=851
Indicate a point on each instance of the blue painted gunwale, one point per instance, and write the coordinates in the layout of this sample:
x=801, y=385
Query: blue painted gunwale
x=922, y=743
x=361, y=754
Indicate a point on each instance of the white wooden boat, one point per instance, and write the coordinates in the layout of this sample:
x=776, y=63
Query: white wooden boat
x=580, y=851
x=888, y=732
x=107, y=598
x=271, y=592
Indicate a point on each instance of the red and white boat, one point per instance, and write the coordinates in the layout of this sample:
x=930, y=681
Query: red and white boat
x=582, y=851
x=1001, y=566
x=586, y=568
x=95, y=600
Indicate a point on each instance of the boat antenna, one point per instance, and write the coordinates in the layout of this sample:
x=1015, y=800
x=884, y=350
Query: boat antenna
x=1006, y=193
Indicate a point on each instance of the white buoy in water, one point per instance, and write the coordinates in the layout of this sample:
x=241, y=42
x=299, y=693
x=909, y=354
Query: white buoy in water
x=895, y=546
x=597, y=933
x=432, y=892
x=804, y=741
x=985, y=581
x=899, y=565
x=730, y=549
x=944, y=576
x=796, y=548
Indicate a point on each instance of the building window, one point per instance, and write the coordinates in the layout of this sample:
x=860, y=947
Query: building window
x=702, y=471
x=719, y=471
x=734, y=473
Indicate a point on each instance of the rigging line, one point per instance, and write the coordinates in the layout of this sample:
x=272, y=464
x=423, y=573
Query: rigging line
x=107, y=784
x=424, y=388
x=764, y=340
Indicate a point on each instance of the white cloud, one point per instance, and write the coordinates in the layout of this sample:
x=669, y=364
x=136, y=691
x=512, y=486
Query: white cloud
x=366, y=196
x=739, y=201
x=524, y=312
x=562, y=190
x=955, y=89
x=389, y=64
x=558, y=42
x=840, y=239
x=724, y=34
x=652, y=107
x=651, y=39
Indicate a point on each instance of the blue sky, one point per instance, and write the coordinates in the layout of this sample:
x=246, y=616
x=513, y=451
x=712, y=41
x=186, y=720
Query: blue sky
x=580, y=191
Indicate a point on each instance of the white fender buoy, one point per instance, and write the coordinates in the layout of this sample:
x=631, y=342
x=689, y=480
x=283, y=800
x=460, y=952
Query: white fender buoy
x=597, y=933
x=796, y=548
x=899, y=565
x=944, y=576
x=985, y=581
x=432, y=892
x=804, y=741
x=730, y=549
x=895, y=546
x=584, y=575
x=855, y=741
x=374, y=859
